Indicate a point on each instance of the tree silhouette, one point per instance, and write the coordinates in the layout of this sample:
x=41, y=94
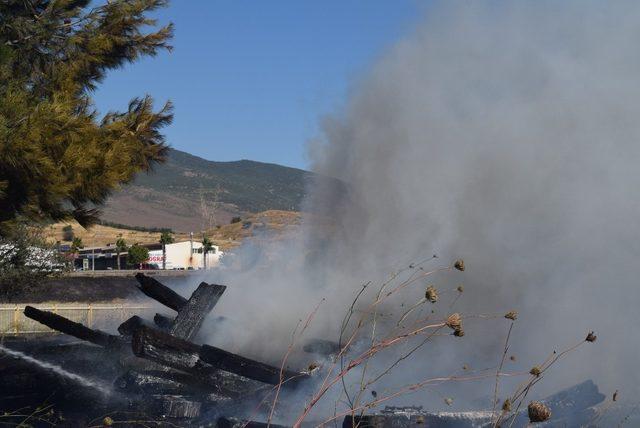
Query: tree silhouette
x=165, y=238
x=76, y=245
x=121, y=247
x=207, y=246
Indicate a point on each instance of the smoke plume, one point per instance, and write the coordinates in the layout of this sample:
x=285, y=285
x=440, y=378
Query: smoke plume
x=503, y=134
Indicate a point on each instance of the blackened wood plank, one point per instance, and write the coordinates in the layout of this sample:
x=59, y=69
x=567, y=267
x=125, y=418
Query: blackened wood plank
x=132, y=324
x=160, y=292
x=64, y=325
x=246, y=367
x=184, y=355
x=191, y=316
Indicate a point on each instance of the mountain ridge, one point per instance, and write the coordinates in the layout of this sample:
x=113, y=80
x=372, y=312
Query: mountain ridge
x=190, y=193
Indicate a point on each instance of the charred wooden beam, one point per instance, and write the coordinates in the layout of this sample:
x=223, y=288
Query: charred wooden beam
x=162, y=382
x=177, y=406
x=190, y=317
x=163, y=322
x=163, y=348
x=152, y=382
x=64, y=325
x=132, y=324
x=204, y=360
x=160, y=292
x=172, y=382
x=182, y=355
x=246, y=367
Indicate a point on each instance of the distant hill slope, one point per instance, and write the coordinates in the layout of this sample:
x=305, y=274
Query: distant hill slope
x=189, y=193
x=264, y=225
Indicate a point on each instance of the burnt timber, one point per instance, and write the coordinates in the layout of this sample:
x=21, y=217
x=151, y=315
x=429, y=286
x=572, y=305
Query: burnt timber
x=160, y=292
x=191, y=315
x=163, y=370
x=64, y=325
x=204, y=360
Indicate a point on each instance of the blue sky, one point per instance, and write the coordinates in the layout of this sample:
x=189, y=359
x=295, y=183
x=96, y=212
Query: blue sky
x=251, y=79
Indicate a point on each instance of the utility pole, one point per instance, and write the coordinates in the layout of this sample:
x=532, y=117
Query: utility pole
x=204, y=254
x=191, y=251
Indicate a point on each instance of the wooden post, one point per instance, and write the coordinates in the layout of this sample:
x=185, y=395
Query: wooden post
x=191, y=316
x=163, y=294
x=16, y=318
x=89, y=316
x=191, y=313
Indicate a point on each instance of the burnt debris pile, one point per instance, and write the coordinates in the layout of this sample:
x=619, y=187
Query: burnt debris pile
x=156, y=370
x=165, y=373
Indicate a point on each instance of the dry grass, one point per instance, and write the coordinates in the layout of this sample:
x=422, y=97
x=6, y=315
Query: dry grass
x=100, y=235
x=361, y=325
x=265, y=225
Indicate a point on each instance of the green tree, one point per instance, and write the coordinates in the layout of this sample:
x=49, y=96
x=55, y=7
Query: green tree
x=207, y=246
x=60, y=159
x=76, y=245
x=165, y=238
x=137, y=254
x=121, y=247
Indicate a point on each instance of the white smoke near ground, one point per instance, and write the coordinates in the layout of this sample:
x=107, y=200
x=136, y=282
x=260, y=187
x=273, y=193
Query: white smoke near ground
x=504, y=134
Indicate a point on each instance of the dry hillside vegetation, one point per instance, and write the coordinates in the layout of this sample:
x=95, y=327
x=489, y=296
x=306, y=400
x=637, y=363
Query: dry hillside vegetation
x=265, y=225
x=188, y=193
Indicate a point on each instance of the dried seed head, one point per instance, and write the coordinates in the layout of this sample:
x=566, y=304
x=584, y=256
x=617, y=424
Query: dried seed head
x=615, y=395
x=459, y=264
x=107, y=421
x=535, y=371
x=458, y=332
x=460, y=288
x=512, y=358
x=506, y=406
x=591, y=337
x=431, y=294
x=448, y=401
x=511, y=315
x=454, y=321
x=538, y=412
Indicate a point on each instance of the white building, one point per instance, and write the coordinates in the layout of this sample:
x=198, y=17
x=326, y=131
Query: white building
x=185, y=255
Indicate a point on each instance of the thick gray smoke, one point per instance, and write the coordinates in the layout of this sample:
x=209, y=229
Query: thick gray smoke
x=505, y=134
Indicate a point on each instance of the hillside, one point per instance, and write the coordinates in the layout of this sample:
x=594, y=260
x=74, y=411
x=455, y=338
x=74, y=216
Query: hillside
x=271, y=224
x=189, y=193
